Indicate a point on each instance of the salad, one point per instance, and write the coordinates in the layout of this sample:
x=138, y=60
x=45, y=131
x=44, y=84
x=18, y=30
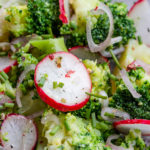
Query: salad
x=74, y=75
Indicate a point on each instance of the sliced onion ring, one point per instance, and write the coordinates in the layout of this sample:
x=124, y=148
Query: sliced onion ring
x=102, y=46
x=115, y=147
x=21, y=78
x=121, y=115
x=128, y=84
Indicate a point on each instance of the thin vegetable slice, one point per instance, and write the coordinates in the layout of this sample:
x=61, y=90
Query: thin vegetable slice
x=113, y=115
x=62, y=81
x=140, y=13
x=102, y=46
x=21, y=78
x=125, y=125
x=18, y=133
x=128, y=84
x=64, y=11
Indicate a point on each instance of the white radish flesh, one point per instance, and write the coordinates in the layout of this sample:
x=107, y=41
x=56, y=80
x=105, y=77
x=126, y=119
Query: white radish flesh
x=67, y=69
x=140, y=13
x=18, y=133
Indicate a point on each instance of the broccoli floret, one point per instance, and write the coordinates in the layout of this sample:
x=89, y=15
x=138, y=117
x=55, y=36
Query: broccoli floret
x=99, y=74
x=76, y=35
x=16, y=20
x=122, y=99
x=133, y=138
x=79, y=132
x=43, y=15
x=25, y=59
x=123, y=26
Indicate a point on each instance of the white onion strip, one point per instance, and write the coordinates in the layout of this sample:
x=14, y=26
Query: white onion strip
x=128, y=84
x=21, y=78
x=119, y=115
x=116, y=52
x=115, y=147
x=102, y=46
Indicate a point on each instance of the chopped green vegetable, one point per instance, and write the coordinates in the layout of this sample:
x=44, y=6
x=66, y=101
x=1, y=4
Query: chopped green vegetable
x=42, y=80
x=54, y=130
x=57, y=85
x=9, y=105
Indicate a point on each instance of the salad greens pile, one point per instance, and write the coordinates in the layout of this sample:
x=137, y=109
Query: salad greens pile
x=30, y=31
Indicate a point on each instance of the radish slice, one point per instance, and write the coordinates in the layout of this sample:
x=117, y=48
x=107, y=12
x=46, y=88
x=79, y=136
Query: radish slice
x=125, y=125
x=64, y=11
x=18, y=133
x=6, y=63
x=140, y=13
x=65, y=69
x=84, y=53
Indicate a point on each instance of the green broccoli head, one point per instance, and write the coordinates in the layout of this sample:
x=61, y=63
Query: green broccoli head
x=123, y=26
x=43, y=16
x=16, y=20
x=99, y=74
x=25, y=59
x=133, y=138
x=122, y=99
x=71, y=132
x=76, y=36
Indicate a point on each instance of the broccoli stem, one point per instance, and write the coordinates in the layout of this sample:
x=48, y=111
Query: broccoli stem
x=112, y=77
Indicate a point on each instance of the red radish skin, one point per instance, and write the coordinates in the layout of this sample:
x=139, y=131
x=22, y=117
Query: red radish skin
x=136, y=3
x=141, y=19
x=52, y=102
x=6, y=64
x=135, y=124
x=62, y=15
x=11, y=115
